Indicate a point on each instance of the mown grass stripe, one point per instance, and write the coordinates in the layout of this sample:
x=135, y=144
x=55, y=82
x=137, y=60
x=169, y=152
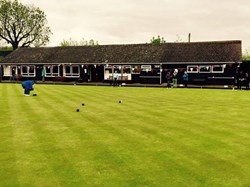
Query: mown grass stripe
x=8, y=169
x=30, y=164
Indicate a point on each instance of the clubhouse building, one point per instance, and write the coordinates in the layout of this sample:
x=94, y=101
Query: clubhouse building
x=212, y=62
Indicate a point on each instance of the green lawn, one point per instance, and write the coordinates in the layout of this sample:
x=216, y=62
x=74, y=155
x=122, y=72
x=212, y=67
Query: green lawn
x=155, y=137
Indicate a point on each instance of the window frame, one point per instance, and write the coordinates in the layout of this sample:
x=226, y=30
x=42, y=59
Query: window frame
x=192, y=66
x=51, y=68
x=29, y=68
x=117, y=68
x=205, y=67
x=222, y=71
x=71, y=72
x=126, y=67
x=146, y=68
x=137, y=68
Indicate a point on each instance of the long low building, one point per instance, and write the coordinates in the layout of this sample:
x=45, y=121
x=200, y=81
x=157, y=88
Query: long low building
x=213, y=62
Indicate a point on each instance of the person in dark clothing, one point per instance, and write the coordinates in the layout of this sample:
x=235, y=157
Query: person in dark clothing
x=236, y=78
x=13, y=74
x=168, y=79
x=241, y=80
x=28, y=86
x=115, y=78
x=247, y=80
x=185, y=78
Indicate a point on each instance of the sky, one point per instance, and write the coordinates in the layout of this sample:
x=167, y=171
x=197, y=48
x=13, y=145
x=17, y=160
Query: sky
x=137, y=21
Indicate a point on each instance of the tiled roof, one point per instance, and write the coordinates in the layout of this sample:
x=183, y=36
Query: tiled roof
x=216, y=51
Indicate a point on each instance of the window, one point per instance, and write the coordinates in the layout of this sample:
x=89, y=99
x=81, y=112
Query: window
x=75, y=70
x=31, y=70
x=55, y=70
x=146, y=68
x=7, y=70
x=48, y=71
x=72, y=71
x=68, y=70
x=157, y=66
x=126, y=69
x=108, y=69
x=117, y=69
x=204, y=69
x=218, y=69
x=157, y=69
x=52, y=71
x=25, y=70
x=192, y=69
x=28, y=71
x=108, y=72
x=18, y=70
x=135, y=69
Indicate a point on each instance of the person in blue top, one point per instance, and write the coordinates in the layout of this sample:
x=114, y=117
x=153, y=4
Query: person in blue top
x=43, y=75
x=27, y=86
x=115, y=78
x=185, y=79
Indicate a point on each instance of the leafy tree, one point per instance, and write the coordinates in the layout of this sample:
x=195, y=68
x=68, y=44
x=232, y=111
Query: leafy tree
x=4, y=47
x=69, y=42
x=92, y=42
x=157, y=41
x=246, y=55
x=83, y=42
x=22, y=25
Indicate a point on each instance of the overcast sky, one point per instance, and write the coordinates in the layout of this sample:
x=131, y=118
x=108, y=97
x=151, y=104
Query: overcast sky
x=137, y=21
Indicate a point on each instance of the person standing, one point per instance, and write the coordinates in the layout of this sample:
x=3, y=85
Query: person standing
x=175, y=78
x=115, y=78
x=43, y=74
x=247, y=80
x=13, y=74
x=168, y=79
x=28, y=86
x=185, y=78
x=241, y=80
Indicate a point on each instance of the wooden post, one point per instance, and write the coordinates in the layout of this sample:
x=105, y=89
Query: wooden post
x=160, y=74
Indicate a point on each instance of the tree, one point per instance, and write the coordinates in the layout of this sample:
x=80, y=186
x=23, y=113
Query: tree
x=157, y=41
x=22, y=25
x=83, y=42
x=246, y=55
x=4, y=47
x=69, y=42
